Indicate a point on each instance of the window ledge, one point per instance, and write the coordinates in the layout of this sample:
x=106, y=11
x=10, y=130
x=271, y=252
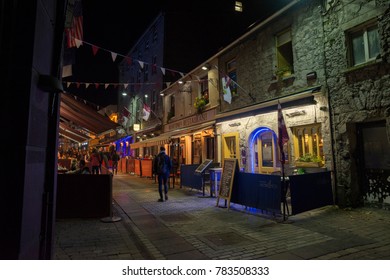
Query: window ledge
x=284, y=78
x=362, y=66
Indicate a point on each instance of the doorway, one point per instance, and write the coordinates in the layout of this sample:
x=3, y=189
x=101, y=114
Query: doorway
x=374, y=162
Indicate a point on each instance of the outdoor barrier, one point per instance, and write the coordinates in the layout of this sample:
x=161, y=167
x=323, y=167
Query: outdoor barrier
x=147, y=168
x=257, y=190
x=137, y=167
x=83, y=196
x=310, y=191
x=130, y=165
x=188, y=177
x=122, y=165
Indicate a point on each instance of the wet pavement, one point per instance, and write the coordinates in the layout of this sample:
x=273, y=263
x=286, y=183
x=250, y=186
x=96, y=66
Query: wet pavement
x=191, y=226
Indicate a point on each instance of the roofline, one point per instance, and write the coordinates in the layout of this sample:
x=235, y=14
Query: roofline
x=237, y=41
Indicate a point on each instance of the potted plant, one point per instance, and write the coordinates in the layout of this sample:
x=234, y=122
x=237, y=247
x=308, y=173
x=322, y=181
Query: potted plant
x=282, y=72
x=309, y=160
x=200, y=104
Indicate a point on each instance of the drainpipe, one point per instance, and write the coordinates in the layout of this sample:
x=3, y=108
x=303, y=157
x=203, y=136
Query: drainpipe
x=331, y=121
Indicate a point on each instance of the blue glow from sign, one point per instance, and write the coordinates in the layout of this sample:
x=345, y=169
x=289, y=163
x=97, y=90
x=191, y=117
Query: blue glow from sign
x=252, y=140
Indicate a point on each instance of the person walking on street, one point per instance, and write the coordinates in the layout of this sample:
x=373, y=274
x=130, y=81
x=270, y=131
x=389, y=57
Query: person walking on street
x=114, y=158
x=162, y=166
x=95, y=161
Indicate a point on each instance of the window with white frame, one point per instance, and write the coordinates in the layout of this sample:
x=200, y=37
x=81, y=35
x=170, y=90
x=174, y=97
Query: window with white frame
x=364, y=44
x=232, y=73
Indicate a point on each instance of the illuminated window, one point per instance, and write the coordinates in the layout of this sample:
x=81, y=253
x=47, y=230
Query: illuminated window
x=238, y=6
x=230, y=146
x=267, y=153
x=363, y=44
x=308, y=140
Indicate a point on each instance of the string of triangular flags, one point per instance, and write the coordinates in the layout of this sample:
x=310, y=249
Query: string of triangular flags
x=97, y=85
x=128, y=59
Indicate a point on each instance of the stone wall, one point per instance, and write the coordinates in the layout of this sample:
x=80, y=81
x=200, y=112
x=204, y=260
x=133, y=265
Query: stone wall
x=256, y=57
x=357, y=94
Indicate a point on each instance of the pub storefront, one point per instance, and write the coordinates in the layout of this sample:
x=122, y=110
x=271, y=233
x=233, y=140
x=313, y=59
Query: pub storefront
x=251, y=135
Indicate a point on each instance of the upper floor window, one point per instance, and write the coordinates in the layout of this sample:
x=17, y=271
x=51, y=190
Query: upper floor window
x=204, y=88
x=232, y=73
x=154, y=64
x=146, y=72
x=364, y=44
x=172, y=106
x=284, y=53
x=154, y=31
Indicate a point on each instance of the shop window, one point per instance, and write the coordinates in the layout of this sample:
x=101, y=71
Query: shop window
x=232, y=73
x=230, y=145
x=209, y=143
x=308, y=141
x=284, y=54
x=197, y=149
x=364, y=44
x=182, y=150
x=267, y=153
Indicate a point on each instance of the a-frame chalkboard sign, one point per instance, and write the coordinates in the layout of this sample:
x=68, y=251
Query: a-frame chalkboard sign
x=230, y=168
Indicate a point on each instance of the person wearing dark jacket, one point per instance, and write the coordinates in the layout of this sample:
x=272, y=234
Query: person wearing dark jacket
x=162, y=167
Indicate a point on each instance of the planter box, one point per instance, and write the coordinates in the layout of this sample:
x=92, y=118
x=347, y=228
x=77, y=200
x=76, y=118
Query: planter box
x=307, y=164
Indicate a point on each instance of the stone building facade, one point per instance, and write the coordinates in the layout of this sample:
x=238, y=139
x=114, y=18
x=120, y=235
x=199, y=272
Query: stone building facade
x=359, y=91
x=292, y=38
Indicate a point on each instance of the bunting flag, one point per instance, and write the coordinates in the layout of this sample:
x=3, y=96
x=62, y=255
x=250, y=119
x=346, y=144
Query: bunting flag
x=106, y=85
x=95, y=49
x=146, y=112
x=129, y=60
x=227, y=95
x=282, y=133
x=113, y=56
x=76, y=29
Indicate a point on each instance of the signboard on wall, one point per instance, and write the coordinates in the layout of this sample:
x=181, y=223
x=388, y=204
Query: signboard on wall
x=230, y=167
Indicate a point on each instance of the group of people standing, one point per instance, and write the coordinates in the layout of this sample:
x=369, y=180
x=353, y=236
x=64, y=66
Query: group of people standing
x=109, y=159
x=162, y=166
x=98, y=159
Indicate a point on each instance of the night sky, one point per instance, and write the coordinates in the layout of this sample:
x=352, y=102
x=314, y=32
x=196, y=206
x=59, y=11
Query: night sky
x=116, y=25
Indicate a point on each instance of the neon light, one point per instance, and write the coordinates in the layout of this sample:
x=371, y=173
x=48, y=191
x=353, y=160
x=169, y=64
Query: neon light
x=251, y=143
